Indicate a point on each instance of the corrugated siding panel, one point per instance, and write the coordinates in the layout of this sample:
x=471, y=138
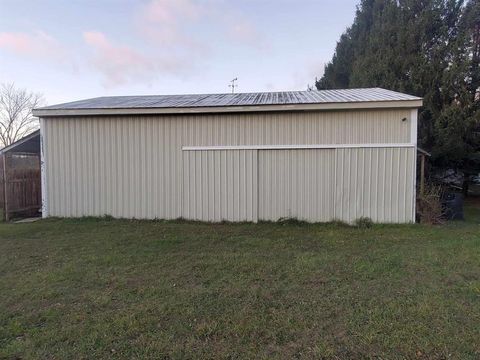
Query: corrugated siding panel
x=375, y=183
x=220, y=185
x=296, y=184
x=336, y=127
x=124, y=167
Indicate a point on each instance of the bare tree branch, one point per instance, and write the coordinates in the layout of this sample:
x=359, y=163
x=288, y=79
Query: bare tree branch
x=16, y=119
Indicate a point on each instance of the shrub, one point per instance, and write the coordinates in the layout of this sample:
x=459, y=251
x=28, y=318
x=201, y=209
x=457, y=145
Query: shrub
x=364, y=222
x=429, y=205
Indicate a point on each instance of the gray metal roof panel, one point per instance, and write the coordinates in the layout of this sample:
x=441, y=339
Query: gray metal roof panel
x=240, y=99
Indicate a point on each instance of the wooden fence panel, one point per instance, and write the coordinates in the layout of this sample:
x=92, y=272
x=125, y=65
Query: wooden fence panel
x=21, y=184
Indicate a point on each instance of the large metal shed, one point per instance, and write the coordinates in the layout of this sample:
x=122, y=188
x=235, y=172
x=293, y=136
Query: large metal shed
x=312, y=155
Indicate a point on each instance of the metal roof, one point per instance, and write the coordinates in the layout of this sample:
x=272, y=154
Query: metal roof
x=241, y=99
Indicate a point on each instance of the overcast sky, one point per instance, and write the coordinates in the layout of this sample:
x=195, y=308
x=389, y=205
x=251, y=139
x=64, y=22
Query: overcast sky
x=73, y=49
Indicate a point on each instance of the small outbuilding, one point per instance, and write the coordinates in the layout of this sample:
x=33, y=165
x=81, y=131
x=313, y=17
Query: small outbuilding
x=20, y=186
x=312, y=155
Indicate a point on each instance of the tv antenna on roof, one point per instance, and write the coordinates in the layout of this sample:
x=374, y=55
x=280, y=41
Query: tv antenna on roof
x=233, y=85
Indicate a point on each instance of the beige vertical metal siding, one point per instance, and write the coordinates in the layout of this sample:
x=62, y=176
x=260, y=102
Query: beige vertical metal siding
x=334, y=127
x=375, y=183
x=124, y=167
x=133, y=166
x=220, y=185
x=337, y=184
x=296, y=184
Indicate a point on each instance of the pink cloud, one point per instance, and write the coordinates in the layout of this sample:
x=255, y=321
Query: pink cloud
x=120, y=64
x=37, y=44
x=163, y=22
x=174, y=23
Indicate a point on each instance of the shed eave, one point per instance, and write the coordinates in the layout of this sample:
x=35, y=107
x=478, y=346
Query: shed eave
x=229, y=109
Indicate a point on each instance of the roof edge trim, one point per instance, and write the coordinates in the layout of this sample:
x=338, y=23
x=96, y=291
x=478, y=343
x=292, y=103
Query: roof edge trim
x=230, y=109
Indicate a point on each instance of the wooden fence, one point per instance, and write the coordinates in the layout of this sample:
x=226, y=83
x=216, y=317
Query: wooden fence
x=20, y=185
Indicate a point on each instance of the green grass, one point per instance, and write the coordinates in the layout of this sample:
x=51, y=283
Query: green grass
x=103, y=288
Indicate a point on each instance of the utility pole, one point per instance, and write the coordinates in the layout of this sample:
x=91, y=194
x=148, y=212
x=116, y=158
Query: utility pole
x=233, y=85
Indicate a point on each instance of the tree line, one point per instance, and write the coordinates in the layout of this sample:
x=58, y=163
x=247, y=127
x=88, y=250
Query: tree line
x=427, y=48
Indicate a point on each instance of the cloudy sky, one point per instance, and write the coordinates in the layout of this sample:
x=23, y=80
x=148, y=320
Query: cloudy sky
x=76, y=49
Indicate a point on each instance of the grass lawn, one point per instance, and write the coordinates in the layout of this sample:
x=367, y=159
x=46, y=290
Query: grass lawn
x=90, y=288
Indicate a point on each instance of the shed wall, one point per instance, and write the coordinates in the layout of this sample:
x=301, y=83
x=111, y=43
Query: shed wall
x=134, y=166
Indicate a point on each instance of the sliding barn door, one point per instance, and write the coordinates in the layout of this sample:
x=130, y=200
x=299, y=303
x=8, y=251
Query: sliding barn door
x=315, y=185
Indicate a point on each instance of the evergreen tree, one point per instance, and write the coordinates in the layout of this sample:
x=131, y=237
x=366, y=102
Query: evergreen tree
x=428, y=48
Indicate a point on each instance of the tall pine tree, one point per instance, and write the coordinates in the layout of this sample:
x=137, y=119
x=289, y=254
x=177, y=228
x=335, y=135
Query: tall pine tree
x=428, y=48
